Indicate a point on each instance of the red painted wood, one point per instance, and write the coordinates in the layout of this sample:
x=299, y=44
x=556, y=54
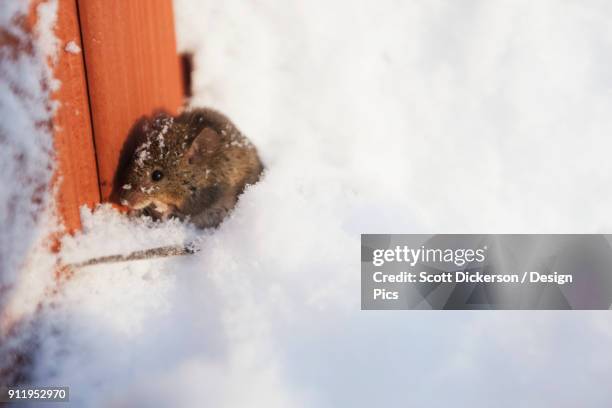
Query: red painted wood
x=132, y=70
x=73, y=134
x=76, y=175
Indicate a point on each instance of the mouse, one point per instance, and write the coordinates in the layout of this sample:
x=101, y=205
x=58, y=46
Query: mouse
x=193, y=166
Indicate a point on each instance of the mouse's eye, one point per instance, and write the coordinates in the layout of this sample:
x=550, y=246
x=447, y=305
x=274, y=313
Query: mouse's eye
x=157, y=175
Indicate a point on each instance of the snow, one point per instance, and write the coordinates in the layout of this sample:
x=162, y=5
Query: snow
x=46, y=14
x=72, y=47
x=398, y=117
x=26, y=166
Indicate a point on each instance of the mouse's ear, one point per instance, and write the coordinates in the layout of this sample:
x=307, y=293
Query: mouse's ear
x=205, y=144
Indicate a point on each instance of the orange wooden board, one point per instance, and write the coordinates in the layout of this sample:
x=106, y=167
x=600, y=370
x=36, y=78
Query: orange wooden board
x=72, y=123
x=76, y=175
x=132, y=70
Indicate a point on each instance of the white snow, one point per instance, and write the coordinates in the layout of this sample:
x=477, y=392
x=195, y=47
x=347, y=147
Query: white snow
x=72, y=47
x=398, y=117
x=26, y=167
x=46, y=14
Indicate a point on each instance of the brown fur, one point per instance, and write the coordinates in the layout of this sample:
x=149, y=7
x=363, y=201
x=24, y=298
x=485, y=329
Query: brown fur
x=206, y=164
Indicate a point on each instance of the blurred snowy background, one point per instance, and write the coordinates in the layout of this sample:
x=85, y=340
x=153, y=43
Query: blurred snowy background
x=372, y=117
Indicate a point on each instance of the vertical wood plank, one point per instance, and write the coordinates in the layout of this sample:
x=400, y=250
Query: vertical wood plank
x=76, y=174
x=73, y=137
x=132, y=70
